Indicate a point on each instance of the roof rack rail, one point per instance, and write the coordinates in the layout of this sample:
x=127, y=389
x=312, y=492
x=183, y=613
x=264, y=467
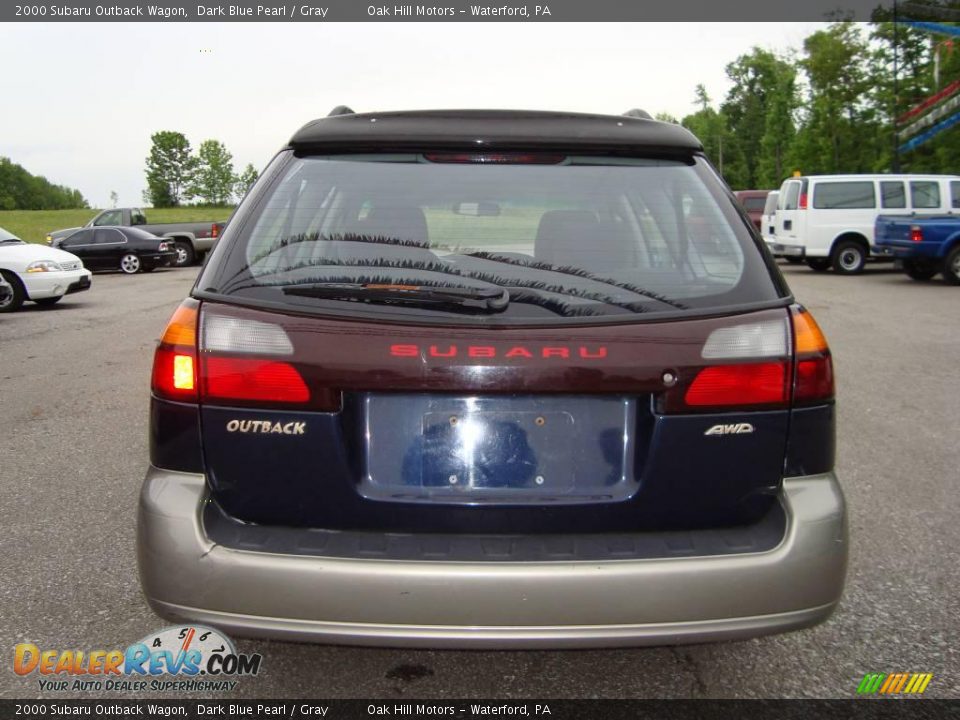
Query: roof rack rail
x=340, y=110
x=638, y=113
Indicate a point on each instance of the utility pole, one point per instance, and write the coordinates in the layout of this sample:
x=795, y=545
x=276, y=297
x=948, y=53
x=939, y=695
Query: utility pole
x=896, y=91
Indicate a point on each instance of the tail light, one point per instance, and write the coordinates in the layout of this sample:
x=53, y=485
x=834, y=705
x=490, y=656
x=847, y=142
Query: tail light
x=761, y=365
x=221, y=360
x=175, y=360
x=802, y=205
x=814, y=375
x=916, y=233
x=215, y=230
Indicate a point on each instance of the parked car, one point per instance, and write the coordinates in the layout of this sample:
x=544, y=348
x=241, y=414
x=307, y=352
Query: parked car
x=191, y=241
x=926, y=245
x=37, y=273
x=534, y=391
x=129, y=250
x=828, y=220
x=6, y=291
x=753, y=202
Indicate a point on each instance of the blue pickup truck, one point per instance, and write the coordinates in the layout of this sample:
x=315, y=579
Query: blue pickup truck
x=926, y=245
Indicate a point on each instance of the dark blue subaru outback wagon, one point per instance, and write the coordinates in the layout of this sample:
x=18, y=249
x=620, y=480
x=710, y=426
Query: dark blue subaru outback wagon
x=492, y=379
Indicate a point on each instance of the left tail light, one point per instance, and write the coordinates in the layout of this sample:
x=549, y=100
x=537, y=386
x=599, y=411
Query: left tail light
x=217, y=359
x=175, y=359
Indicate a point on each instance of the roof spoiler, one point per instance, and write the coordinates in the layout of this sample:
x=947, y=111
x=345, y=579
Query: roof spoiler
x=638, y=113
x=340, y=110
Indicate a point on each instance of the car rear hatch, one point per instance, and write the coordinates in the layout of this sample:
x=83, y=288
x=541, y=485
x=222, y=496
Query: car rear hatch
x=395, y=429
x=356, y=368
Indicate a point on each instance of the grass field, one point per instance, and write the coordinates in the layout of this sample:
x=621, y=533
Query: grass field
x=33, y=225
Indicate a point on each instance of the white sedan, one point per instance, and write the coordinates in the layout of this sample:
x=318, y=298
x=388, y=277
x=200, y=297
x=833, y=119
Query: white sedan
x=38, y=273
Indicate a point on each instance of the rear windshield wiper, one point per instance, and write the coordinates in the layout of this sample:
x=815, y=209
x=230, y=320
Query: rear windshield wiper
x=490, y=299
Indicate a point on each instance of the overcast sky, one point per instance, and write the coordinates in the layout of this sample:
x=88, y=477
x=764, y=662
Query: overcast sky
x=80, y=100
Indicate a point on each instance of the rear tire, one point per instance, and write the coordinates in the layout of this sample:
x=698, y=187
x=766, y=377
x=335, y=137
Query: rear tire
x=951, y=267
x=819, y=264
x=130, y=264
x=185, y=254
x=919, y=270
x=49, y=301
x=849, y=257
x=15, y=301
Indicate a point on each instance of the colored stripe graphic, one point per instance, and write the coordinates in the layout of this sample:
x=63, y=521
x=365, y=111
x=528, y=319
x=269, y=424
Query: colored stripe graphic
x=929, y=134
x=933, y=27
x=870, y=683
x=930, y=101
x=951, y=105
x=894, y=683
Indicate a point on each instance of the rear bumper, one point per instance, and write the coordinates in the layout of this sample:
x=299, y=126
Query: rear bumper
x=908, y=250
x=187, y=576
x=779, y=249
x=161, y=259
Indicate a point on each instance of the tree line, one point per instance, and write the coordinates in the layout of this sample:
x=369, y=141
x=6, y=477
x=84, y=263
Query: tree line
x=829, y=107
x=176, y=175
x=19, y=190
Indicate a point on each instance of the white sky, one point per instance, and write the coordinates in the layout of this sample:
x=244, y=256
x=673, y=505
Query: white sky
x=80, y=100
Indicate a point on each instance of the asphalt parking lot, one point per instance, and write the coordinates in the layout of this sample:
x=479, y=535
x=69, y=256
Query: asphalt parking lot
x=73, y=398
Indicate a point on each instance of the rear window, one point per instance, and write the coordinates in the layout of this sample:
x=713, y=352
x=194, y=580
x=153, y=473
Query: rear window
x=844, y=195
x=754, y=204
x=770, y=204
x=572, y=238
x=791, y=196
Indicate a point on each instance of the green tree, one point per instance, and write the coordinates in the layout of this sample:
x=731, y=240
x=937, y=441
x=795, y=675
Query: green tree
x=213, y=179
x=169, y=169
x=840, y=128
x=710, y=127
x=779, y=129
x=757, y=78
x=19, y=190
x=246, y=179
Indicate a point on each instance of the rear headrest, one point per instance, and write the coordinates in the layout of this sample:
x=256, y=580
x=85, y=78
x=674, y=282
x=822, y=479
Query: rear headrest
x=565, y=235
x=404, y=223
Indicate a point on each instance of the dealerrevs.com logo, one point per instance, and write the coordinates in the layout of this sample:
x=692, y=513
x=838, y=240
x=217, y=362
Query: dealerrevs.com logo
x=191, y=658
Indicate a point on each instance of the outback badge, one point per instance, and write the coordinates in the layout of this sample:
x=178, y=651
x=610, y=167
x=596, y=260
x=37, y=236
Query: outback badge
x=730, y=429
x=265, y=426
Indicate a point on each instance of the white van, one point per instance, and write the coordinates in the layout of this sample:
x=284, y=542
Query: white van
x=828, y=219
x=769, y=218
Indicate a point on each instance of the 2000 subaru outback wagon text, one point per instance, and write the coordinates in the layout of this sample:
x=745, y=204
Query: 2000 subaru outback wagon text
x=492, y=379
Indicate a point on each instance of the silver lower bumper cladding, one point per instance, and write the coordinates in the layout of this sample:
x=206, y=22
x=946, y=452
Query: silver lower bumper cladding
x=651, y=601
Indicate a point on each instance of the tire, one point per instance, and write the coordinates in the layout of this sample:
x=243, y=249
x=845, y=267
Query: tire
x=819, y=264
x=951, y=267
x=848, y=257
x=130, y=264
x=920, y=270
x=185, y=254
x=15, y=301
x=49, y=301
